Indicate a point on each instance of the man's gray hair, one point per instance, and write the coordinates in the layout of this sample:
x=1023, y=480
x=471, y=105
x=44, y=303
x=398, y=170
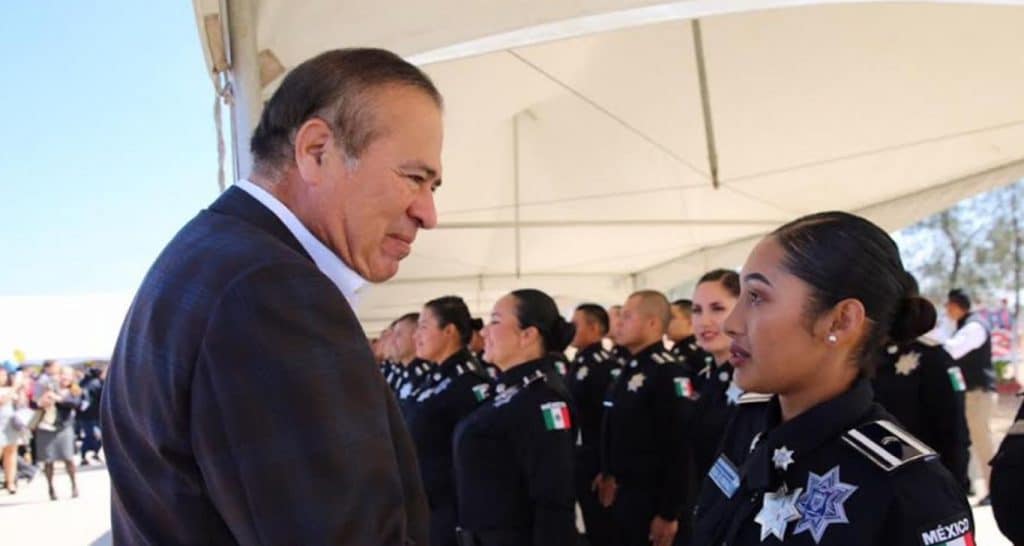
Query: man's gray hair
x=336, y=86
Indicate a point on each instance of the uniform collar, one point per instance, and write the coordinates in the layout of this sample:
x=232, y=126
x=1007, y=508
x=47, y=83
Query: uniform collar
x=646, y=352
x=591, y=349
x=806, y=432
x=347, y=280
x=454, y=364
x=524, y=372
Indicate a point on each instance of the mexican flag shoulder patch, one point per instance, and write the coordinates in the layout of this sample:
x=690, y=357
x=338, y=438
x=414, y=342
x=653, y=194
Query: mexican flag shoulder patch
x=480, y=391
x=956, y=377
x=556, y=416
x=684, y=388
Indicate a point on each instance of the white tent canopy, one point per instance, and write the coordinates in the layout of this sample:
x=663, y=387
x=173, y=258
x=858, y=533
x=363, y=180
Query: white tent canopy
x=594, y=147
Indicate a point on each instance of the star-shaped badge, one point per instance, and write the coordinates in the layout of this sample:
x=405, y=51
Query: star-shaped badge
x=821, y=504
x=779, y=508
x=782, y=458
x=908, y=363
x=733, y=393
x=636, y=382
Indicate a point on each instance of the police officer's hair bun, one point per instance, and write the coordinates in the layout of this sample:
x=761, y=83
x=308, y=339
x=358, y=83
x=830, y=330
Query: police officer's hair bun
x=453, y=310
x=562, y=335
x=537, y=309
x=916, y=316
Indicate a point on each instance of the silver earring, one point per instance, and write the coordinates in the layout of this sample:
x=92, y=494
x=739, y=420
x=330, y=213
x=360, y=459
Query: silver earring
x=832, y=339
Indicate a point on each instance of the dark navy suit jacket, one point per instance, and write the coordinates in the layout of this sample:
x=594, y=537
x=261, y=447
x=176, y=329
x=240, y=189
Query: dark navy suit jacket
x=243, y=404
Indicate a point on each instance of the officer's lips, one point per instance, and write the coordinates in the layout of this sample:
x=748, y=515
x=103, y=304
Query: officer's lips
x=708, y=335
x=739, y=355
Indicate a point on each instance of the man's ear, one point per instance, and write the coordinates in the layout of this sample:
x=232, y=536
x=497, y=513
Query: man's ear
x=312, y=141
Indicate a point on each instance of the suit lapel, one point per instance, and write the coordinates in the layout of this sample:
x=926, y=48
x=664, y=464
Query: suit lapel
x=236, y=202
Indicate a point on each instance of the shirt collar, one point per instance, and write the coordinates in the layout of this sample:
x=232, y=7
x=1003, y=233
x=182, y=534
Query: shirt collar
x=519, y=373
x=347, y=281
x=807, y=431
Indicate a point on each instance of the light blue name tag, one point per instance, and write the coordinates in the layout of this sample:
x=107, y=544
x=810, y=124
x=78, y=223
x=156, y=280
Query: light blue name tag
x=725, y=476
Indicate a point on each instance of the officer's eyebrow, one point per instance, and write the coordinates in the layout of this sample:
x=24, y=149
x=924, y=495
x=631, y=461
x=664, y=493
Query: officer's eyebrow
x=757, y=277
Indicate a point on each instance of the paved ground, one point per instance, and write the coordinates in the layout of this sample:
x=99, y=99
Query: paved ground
x=31, y=518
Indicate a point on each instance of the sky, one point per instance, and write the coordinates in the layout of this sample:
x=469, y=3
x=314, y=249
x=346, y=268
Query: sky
x=107, y=147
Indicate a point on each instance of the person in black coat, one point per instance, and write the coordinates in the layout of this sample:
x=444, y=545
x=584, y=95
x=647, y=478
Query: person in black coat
x=450, y=392
x=684, y=343
x=1008, y=481
x=243, y=403
x=920, y=384
x=514, y=453
x=593, y=370
x=819, y=463
x=645, y=455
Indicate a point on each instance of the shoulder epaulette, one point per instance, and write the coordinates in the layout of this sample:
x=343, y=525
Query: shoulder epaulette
x=658, y=358
x=928, y=341
x=754, y=398
x=887, y=445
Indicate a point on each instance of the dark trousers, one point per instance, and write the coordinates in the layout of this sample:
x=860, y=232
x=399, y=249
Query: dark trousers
x=443, y=522
x=633, y=511
x=89, y=432
x=598, y=520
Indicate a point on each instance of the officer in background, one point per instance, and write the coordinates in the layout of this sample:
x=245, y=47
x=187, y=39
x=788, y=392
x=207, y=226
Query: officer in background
x=593, y=370
x=614, y=327
x=476, y=347
x=645, y=459
x=684, y=343
x=514, y=453
x=820, y=463
x=971, y=347
x=1008, y=482
x=412, y=371
x=921, y=386
x=452, y=390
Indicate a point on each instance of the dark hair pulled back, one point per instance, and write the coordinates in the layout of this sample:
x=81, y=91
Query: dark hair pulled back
x=537, y=309
x=843, y=256
x=452, y=310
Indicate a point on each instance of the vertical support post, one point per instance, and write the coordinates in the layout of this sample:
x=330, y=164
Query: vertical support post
x=244, y=78
x=515, y=175
x=705, y=101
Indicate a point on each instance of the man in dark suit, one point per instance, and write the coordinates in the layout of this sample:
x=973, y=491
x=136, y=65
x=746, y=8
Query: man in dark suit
x=243, y=404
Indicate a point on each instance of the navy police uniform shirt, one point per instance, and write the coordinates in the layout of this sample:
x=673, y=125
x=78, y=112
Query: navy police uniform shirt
x=593, y=370
x=923, y=388
x=452, y=391
x=408, y=381
x=841, y=473
x=644, y=440
x=717, y=401
x=1008, y=482
x=514, y=462
x=699, y=363
x=490, y=369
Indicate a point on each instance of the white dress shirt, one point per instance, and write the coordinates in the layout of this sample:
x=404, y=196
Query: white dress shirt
x=347, y=281
x=966, y=339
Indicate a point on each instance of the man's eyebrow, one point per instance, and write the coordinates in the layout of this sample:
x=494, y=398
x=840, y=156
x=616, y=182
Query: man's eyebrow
x=757, y=277
x=416, y=164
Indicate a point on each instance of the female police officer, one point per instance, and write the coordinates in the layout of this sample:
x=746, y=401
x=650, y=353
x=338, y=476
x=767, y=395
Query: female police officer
x=454, y=388
x=514, y=454
x=820, y=463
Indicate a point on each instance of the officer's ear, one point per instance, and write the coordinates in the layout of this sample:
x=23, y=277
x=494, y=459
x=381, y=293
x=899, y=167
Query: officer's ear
x=844, y=325
x=529, y=336
x=450, y=330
